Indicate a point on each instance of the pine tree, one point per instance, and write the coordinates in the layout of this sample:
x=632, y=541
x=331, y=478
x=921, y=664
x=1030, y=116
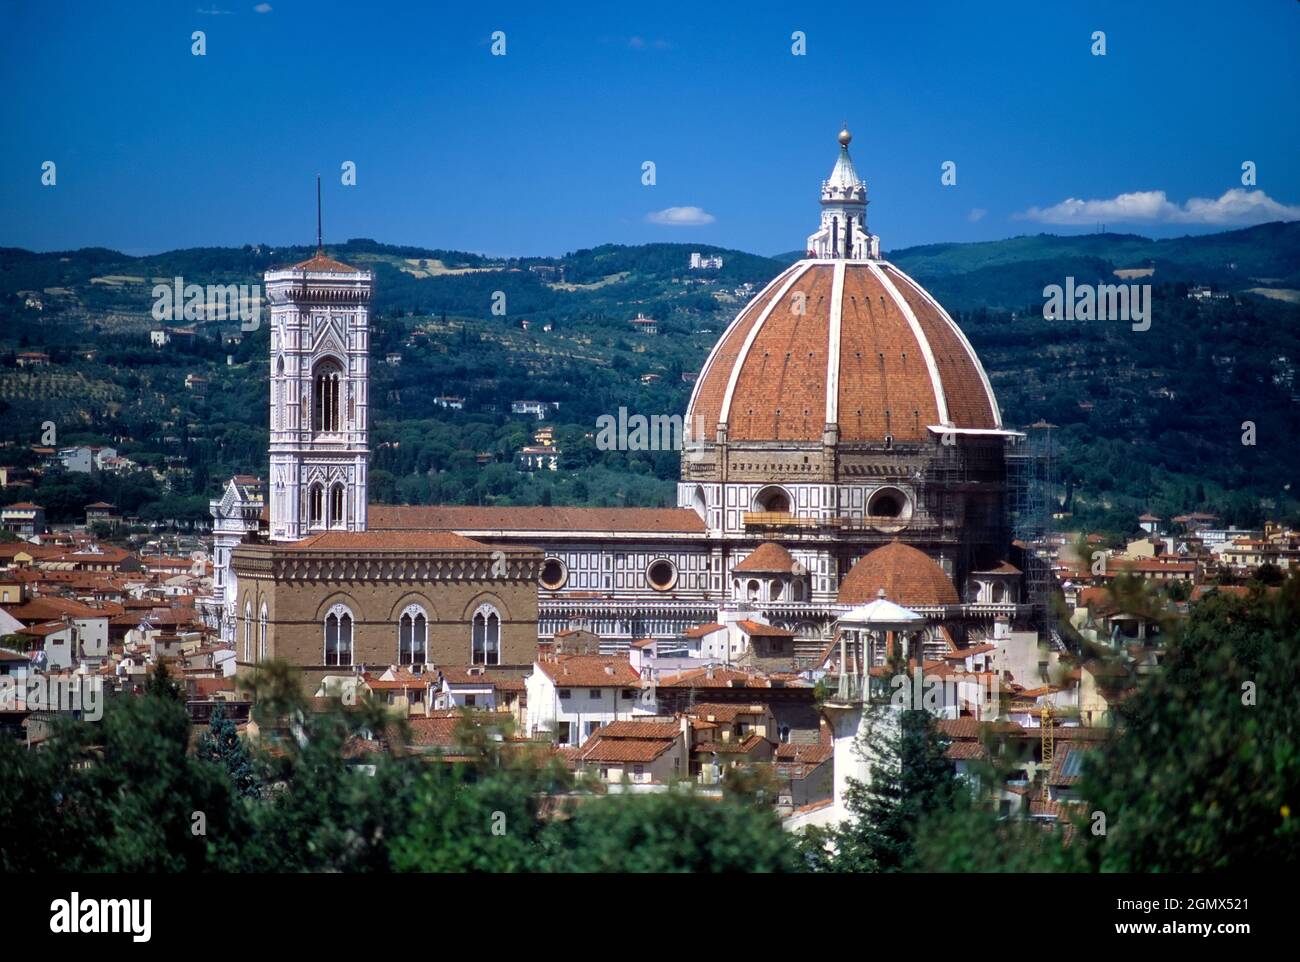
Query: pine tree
x=221, y=744
x=160, y=684
x=909, y=778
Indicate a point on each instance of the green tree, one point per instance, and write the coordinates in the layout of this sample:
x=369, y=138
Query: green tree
x=910, y=777
x=676, y=831
x=159, y=684
x=221, y=744
x=159, y=808
x=1203, y=773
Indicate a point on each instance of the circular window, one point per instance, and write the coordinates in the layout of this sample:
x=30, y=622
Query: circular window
x=554, y=574
x=661, y=574
x=887, y=503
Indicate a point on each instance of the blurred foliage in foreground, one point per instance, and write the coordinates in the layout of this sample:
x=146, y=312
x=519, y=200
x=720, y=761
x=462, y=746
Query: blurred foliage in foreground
x=1204, y=775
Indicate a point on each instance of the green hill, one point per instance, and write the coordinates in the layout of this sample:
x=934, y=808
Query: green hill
x=1147, y=419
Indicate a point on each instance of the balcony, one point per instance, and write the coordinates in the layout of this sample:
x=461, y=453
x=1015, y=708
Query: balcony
x=848, y=691
x=780, y=519
x=845, y=691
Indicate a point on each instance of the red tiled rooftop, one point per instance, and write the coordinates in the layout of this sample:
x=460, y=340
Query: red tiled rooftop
x=473, y=518
x=768, y=557
x=590, y=671
x=759, y=630
x=908, y=575
x=396, y=541
x=774, y=357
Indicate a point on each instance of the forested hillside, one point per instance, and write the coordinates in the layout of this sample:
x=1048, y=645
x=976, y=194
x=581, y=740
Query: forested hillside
x=1147, y=419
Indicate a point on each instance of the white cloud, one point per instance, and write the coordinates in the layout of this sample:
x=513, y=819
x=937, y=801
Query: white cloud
x=262, y=8
x=976, y=214
x=1236, y=206
x=214, y=12
x=680, y=217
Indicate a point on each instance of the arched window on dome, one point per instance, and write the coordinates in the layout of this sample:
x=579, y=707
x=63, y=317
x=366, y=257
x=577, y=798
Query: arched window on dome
x=486, y=637
x=327, y=391
x=772, y=500
x=889, y=503
x=752, y=590
x=699, y=503
x=774, y=590
x=413, y=636
x=338, y=636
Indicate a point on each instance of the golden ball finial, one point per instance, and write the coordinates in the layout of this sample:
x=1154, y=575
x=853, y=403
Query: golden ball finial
x=845, y=136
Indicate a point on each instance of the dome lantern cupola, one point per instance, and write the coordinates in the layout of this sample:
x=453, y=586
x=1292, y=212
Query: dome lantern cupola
x=843, y=231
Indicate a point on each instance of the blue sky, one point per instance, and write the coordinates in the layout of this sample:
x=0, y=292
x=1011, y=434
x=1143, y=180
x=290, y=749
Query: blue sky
x=540, y=151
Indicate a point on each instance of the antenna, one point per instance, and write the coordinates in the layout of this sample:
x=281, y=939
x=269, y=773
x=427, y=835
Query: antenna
x=320, y=245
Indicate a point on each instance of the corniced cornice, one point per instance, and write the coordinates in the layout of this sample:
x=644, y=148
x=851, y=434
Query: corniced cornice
x=286, y=564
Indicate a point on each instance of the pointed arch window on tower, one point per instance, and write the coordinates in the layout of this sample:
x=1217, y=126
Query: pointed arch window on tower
x=327, y=392
x=338, y=517
x=316, y=506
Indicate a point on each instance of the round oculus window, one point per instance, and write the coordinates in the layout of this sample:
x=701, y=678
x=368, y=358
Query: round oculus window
x=661, y=574
x=554, y=574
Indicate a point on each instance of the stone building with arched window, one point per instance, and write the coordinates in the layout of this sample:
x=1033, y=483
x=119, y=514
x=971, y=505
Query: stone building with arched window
x=338, y=602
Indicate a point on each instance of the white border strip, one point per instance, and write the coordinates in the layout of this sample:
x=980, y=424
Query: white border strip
x=833, y=350
x=988, y=387
x=724, y=416
x=940, y=398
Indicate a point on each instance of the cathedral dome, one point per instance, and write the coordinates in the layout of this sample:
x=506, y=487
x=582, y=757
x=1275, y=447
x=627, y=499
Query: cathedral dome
x=852, y=342
x=908, y=576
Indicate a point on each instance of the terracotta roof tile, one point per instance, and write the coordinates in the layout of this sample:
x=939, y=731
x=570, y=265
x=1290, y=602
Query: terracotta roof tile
x=723, y=711
x=908, y=575
x=759, y=630
x=402, y=541
x=320, y=263
x=590, y=671
x=624, y=749
x=767, y=557
x=652, y=727
x=699, y=631
x=885, y=382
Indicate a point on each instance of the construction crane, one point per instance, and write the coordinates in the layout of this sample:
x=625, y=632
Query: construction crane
x=1049, y=743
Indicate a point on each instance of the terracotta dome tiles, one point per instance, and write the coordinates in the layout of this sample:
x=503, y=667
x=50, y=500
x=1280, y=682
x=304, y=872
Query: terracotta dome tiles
x=909, y=576
x=900, y=363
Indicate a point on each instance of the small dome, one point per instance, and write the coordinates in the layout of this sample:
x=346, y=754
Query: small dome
x=767, y=558
x=909, y=577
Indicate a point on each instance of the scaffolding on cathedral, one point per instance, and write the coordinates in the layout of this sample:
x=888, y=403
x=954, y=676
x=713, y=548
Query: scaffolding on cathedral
x=1031, y=487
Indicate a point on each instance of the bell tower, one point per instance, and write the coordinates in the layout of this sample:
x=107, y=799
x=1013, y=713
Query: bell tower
x=320, y=356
